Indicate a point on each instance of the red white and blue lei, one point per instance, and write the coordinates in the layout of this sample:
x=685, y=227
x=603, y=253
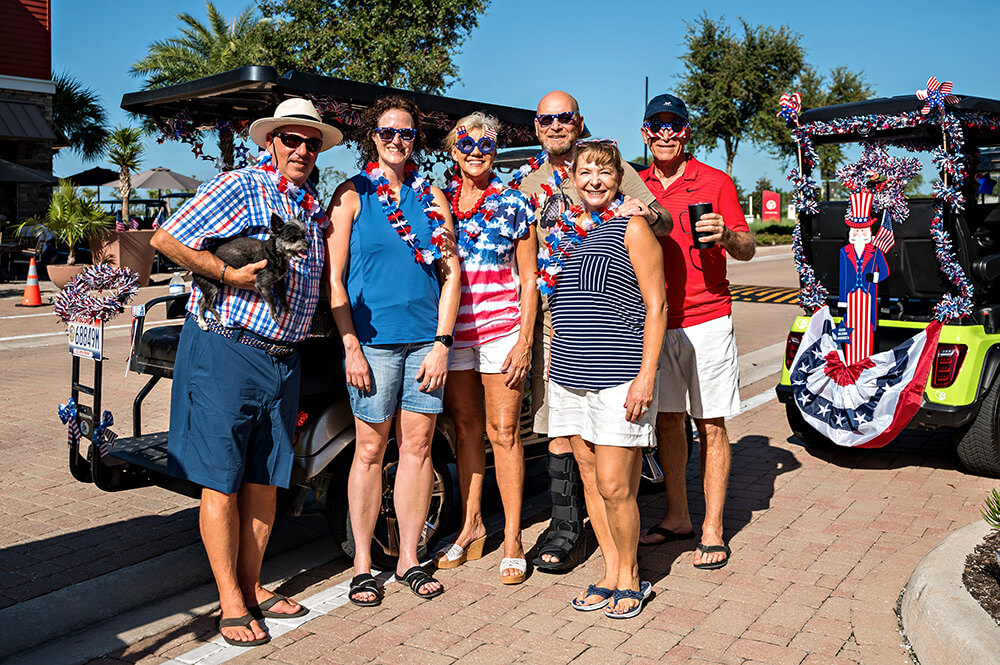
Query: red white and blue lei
x=567, y=232
x=471, y=224
x=395, y=216
x=559, y=174
x=302, y=198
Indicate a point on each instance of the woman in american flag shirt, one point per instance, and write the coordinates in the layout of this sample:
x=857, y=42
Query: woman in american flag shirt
x=496, y=242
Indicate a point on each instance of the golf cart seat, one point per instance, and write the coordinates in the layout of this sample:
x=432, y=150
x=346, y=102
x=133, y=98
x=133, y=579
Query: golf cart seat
x=156, y=348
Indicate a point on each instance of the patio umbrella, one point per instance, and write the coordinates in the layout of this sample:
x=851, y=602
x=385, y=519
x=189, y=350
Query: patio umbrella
x=11, y=172
x=159, y=178
x=95, y=177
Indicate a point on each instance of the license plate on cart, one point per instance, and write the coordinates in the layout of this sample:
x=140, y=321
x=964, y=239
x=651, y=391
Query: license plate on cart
x=86, y=338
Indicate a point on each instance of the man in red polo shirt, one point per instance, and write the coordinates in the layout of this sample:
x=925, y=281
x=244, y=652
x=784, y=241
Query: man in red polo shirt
x=699, y=365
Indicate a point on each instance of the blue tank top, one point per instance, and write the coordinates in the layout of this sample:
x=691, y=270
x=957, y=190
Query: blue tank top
x=394, y=299
x=598, y=316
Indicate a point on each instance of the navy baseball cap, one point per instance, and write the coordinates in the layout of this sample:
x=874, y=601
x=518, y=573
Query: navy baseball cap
x=666, y=104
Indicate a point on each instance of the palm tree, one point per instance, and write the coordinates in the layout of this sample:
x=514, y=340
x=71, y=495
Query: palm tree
x=72, y=217
x=78, y=112
x=203, y=50
x=125, y=150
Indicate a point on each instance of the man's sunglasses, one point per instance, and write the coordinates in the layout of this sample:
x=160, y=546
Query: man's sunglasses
x=293, y=141
x=388, y=134
x=467, y=144
x=655, y=126
x=564, y=118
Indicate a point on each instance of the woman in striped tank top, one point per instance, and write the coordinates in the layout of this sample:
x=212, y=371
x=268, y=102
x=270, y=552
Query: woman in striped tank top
x=608, y=305
x=496, y=242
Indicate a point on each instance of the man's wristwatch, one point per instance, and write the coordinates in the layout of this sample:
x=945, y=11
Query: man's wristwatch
x=447, y=340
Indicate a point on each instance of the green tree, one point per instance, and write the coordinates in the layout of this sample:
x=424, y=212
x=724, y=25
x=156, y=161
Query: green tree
x=406, y=44
x=125, y=150
x=77, y=111
x=844, y=87
x=204, y=49
x=73, y=216
x=731, y=83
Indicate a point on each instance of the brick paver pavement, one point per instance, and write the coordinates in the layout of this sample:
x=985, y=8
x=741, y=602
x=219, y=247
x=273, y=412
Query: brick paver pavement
x=823, y=543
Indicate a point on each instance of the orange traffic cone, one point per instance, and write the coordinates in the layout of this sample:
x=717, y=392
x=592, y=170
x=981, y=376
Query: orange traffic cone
x=32, y=295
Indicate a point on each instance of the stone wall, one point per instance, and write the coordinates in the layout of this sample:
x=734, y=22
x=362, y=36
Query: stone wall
x=32, y=199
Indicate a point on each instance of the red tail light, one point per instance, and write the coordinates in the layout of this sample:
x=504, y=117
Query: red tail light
x=792, y=347
x=947, y=363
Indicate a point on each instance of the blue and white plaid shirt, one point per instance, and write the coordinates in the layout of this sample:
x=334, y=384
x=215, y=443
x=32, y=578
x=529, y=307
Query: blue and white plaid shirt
x=240, y=203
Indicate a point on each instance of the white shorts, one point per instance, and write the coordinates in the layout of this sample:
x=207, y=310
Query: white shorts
x=486, y=358
x=699, y=367
x=598, y=416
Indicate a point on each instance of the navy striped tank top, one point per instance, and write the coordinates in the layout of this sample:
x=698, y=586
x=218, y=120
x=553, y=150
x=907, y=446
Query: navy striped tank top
x=598, y=314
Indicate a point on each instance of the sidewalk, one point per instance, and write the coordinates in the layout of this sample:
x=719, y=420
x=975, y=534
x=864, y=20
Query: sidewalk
x=823, y=542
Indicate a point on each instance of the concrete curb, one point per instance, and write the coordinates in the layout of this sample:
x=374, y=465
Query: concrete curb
x=942, y=621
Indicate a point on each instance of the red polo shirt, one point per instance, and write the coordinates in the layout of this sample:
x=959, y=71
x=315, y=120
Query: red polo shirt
x=697, y=288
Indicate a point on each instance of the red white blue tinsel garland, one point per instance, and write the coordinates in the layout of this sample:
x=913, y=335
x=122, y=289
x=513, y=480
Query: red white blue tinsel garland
x=395, y=216
x=951, y=161
x=893, y=174
x=74, y=302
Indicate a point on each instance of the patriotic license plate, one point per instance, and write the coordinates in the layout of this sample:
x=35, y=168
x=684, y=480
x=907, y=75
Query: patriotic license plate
x=86, y=339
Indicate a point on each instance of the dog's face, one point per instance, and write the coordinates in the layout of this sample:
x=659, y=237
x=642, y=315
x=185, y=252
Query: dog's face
x=291, y=238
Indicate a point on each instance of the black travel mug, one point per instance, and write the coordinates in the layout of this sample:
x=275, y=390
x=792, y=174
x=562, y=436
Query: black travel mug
x=695, y=211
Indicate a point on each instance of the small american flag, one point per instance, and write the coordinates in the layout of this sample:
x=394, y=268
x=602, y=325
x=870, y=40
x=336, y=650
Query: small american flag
x=884, y=239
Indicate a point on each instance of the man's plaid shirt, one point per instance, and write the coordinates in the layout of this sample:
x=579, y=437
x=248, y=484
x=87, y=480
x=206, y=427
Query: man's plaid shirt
x=240, y=203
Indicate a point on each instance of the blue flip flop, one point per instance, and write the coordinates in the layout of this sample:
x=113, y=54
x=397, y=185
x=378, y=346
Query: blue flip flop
x=645, y=589
x=594, y=590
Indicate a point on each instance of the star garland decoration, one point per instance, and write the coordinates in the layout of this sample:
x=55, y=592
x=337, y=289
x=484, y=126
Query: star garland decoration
x=568, y=232
x=396, y=218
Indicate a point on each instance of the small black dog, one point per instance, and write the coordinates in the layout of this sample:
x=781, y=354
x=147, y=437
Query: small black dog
x=287, y=239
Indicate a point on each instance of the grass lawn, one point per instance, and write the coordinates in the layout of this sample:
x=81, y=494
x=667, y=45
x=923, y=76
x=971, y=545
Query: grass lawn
x=773, y=233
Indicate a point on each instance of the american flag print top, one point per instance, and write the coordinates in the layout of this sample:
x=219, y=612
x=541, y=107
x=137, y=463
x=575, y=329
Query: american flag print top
x=490, y=306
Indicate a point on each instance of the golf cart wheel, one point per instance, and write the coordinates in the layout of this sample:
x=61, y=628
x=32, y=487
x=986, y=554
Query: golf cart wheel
x=385, y=541
x=979, y=445
x=803, y=431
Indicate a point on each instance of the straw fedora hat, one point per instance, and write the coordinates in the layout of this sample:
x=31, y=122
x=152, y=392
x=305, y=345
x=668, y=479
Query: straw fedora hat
x=295, y=111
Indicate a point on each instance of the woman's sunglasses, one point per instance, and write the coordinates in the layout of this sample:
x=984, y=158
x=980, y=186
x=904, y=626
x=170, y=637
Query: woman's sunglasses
x=564, y=118
x=467, y=144
x=388, y=134
x=293, y=141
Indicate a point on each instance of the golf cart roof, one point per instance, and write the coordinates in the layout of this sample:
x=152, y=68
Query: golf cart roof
x=254, y=91
x=897, y=105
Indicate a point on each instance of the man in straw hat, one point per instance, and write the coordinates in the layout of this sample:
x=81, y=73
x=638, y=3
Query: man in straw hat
x=235, y=390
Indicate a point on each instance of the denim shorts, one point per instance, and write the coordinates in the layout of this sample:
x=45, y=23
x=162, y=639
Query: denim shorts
x=394, y=369
x=232, y=413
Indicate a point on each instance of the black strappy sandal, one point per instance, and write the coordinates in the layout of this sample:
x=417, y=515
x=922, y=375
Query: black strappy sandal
x=564, y=538
x=364, y=583
x=415, y=578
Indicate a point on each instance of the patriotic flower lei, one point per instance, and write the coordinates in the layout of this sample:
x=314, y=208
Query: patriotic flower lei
x=304, y=199
x=395, y=216
x=538, y=161
x=567, y=232
x=467, y=226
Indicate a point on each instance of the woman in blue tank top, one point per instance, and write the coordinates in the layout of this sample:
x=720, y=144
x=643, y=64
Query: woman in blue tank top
x=394, y=285
x=604, y=276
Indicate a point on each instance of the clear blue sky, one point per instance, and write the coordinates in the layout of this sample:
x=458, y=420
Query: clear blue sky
x=598, y=51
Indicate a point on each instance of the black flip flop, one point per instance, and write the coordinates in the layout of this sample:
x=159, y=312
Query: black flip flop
x=364, y=583
x=415, y=578
x=667, y=535
x=241, y=622
x=264, y=609
x=710, y=549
